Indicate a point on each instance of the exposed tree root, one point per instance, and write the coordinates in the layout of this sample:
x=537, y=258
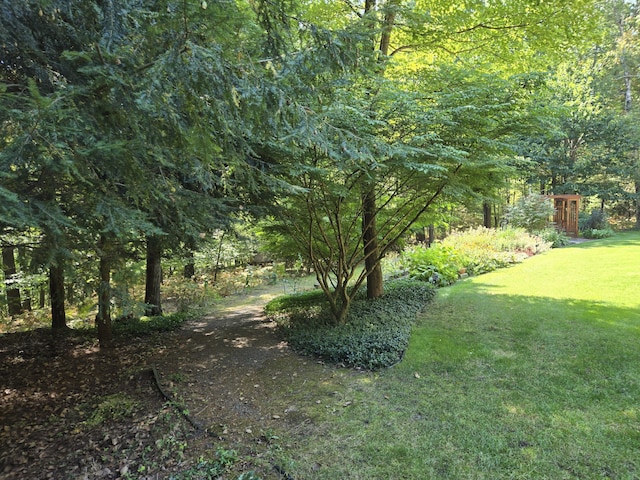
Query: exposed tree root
x=196, y=425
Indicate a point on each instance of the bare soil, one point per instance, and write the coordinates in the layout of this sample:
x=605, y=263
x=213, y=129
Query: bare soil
x=71, y=411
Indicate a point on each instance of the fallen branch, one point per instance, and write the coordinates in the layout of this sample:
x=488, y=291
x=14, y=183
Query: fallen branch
x=171, y=400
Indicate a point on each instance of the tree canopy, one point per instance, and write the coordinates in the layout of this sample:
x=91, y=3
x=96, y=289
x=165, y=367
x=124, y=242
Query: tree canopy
x=133, y=128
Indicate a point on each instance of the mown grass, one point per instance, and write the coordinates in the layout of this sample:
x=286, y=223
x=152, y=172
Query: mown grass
x=530, y=372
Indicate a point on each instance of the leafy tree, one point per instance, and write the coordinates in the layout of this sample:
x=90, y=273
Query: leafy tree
x=144, y=124
x=531, y=212
x=384, y=139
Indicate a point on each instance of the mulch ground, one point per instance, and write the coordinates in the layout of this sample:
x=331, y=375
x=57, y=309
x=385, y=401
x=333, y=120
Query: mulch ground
x=71, y=411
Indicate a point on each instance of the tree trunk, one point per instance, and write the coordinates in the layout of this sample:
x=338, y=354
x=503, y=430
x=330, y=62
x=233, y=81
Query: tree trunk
x=154, y=277
x=57, y=294
x=26, y=302
x=387, y=28
x=375, y=287
x=26, y=292
x=103, y=319
x=190, y=266
x=637, y=205
x=13, y=294
x=432, y=234
x=486, y=214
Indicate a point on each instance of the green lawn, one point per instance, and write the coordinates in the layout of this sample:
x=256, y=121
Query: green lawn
x=529, y=372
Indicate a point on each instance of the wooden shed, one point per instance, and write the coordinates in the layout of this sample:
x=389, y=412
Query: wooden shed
x=566, y=214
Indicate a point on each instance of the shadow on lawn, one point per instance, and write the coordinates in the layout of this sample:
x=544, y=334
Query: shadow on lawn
x=558, y=313
x=592, y=332
x=630, y=238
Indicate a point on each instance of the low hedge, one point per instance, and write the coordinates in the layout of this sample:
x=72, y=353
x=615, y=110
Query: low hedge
x=375, y=335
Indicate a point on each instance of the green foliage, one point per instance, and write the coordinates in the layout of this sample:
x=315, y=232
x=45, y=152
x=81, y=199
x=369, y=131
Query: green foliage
x=477, y=251
x=295, y=304
x=113, y=408
x=531, y=212
x=132, y=326
x=596, y=225
x=440, y=264
x=595, y=233
x=597, y=220
x=206, y=469
x=375, y=335
x=555, y=237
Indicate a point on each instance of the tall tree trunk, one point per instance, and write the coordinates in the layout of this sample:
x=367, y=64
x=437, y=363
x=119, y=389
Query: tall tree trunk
x=190, y=266
x=218, y=257
x=375, y=287
x=103, y=319
x=43, y=298
x=486, y=215
x=57, y=295
x=26, y=292
x=9, y=267
x=154, y=276
x=637, y=205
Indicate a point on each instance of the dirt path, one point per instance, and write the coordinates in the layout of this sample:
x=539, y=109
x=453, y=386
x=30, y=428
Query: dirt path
x=240, y=381
x=219, y=363
x=229, y=369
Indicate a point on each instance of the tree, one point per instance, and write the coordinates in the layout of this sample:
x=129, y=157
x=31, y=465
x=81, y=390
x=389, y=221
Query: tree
x=9, y=269
x=411, y=152
x=124, y=91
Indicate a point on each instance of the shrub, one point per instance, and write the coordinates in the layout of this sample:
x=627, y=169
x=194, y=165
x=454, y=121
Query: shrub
x=555, y=237
x=478, y=251
x=375, y=335
x=531, y=213
x=438, y=264
x=597, y=233
x=596, y=225
x=597, y=220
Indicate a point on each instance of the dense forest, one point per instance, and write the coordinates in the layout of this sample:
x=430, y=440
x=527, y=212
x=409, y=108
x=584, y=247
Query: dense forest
x=152, y=133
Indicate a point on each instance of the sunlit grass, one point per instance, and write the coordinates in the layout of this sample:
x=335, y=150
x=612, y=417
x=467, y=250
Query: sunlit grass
x=529, y=372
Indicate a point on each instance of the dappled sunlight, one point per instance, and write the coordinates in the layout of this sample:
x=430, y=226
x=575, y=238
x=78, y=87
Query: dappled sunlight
x=572, y=421
x=239, y=342
x=278, y=346
x=515, y=410
x=499, y=353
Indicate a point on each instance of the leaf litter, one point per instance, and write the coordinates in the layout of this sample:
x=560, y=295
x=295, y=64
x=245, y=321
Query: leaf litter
x=71, y=411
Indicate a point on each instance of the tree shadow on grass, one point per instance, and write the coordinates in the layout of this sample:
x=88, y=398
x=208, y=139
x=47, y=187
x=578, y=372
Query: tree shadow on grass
x=629, y=238
x=551, y=385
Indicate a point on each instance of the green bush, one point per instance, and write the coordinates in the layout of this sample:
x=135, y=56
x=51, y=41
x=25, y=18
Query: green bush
x=531, y=213
x=438, y=264
x=555, y=237
x=375, y=335
x=477, y=250
x=597, y=220
x=596, y=225
x=595, y=233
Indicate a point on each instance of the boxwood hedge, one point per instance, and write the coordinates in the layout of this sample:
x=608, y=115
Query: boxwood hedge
x=375, y=335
